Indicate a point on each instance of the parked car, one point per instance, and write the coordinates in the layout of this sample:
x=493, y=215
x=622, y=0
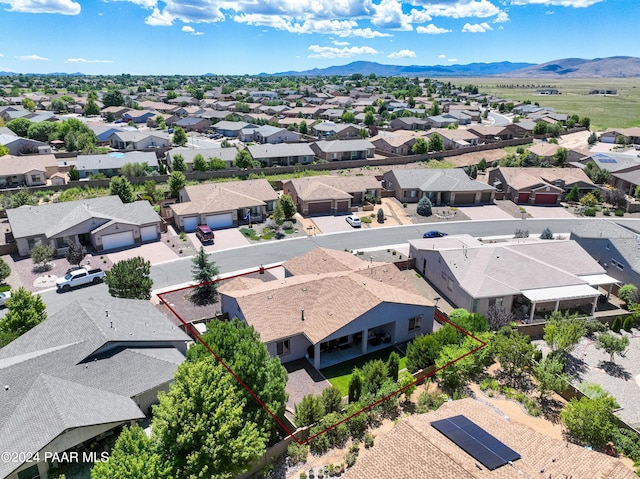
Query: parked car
x=79, y=277
x=4, y=296
x=434, y=234
x=354, y=221
x=204, y=234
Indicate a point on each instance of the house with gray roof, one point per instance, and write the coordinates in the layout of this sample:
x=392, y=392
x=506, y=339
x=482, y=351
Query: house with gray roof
x=339, y=150
x=80, y=375
x=228, y=155
x=524, y=276
x=331, y=130
x=193, y=123
x=409, y=123
x=102, y=223
x=331, y=311
x=272, y=134
x=282, y=154
x=110, y=164
x=24, y=146
x=441, y=186
x=232, y=129
x=139, y=140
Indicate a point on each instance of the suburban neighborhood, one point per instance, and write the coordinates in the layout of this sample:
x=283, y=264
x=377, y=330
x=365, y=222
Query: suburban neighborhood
x=258, y=277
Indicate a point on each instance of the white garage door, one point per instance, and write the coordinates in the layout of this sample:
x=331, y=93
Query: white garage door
x=190, y=224
x=220, y=221
x=117, y=240
x=149, y=233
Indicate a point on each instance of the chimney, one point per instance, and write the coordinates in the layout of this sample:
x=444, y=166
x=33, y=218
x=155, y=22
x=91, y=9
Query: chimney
x=106, y=313
x=111, y=324
x=302, y=311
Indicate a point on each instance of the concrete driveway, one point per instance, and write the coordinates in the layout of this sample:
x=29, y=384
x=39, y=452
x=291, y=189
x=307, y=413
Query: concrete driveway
x=225, y=239
x=548, y=211
x=156, y=252
x=485, y=212
x=332, y=224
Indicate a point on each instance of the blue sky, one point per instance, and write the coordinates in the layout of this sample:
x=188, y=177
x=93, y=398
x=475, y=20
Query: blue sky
x=252, y=36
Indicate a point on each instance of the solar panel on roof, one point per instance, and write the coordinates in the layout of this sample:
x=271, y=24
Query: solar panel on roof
x=606, y=159
x=475, y=441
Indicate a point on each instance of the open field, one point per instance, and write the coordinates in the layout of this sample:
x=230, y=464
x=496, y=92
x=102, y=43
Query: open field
x=620, y=111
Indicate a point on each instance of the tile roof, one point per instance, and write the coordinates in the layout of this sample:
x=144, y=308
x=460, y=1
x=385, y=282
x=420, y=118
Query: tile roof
x=425, y=179
x=79, y=368
x=29, y=221
x=226, y=196
x=413, y=448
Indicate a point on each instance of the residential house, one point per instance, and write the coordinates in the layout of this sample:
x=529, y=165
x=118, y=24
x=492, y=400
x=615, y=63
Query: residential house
x=282, y=154
x=103, y=131
x=139, y=116
x=338, y=150
x=355, y=310
x=414, y=448
x=118, y=111
x=30, y=170
x=232, y=129
x=193, y=123
x=441, y=121
x=613, y=246
x=441, y=186
x=109, y=164
x=103, y=223
x=398, y=142
x=456, y=138
x=409, y=123
x=19, y=146
x=529, y=276
x=273, y=135
x=492, y=133
x=228, y=155
x=330, y=194
x=78, y=377
x=538, y=186
x=630, y=136
x=139, y=140
x=339, y=131
x=223, y=205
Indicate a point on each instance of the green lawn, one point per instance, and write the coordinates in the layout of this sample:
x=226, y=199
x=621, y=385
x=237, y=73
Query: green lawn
x=340, y=374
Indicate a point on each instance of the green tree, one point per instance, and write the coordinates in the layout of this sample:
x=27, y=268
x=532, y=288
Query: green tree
x=243, y=159
x=133, y=456
x=593, y=139
x=585, y=122
x=134, y=170
x=355, y=386
x=590, y=420
x=563, y=331
x=407, y=383
x=199, y=163
x=29, y=104
x=216, y=164
x=239, y=346
x=540, y=128
x=204, y=273
x=482, y=165
x=177, y=163
x=424, y=206
x=436, y=143
x=42, y=254
x=423, y=352
x=331, y=399
x=348, y=117
x=177, y=181
x=627, y=293
x=120, y=186
x=113, y=98
x=200, y=424
x=74, y=174
x=549, y=375
x=369, y=119
x=20, y=126
x=380, y=215
x=393, y=366
x=514, y=351
x=454, y=368
x=560, y=156
x=180, y=137
x=91, y=108
x=130, y=278
x=109, y=117
x=303, y=129
x=288, y=206
x=373, y=375
x=5, y=271
x=612, y=344
x=3, y=150
x=75, y=252
x=546, y=234
x=42, y=131
x=26, y=311
x=309, y=411
x=420, y=147
x=435, y=109
x=574, y=194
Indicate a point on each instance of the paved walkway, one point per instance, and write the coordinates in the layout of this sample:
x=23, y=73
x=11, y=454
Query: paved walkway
x=548, y=212
x=484, y=212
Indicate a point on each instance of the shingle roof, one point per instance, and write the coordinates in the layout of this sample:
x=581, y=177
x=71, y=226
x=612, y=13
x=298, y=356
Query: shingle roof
x=332, y=187
x=527, y=177
x=16, y=165
x=280, y=150
x=437, y=180
x=337, y=146
x=323, y=260
x=29, y=221
x=74, y=369
x=188, y=154
x=115, y=160
x=137, y=136
x=413, y=448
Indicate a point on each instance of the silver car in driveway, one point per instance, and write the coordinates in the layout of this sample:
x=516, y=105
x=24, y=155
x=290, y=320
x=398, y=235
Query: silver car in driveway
x=354, y=221
x=4, y=296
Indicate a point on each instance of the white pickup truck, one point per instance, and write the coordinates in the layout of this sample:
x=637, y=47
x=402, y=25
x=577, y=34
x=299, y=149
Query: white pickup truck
x=79, y=277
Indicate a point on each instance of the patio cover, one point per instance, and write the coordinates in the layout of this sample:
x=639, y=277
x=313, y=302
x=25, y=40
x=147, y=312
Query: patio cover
x=599, y=279
x=560, y=293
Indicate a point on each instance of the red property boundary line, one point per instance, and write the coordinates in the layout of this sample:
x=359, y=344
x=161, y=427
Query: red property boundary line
x=438, y=315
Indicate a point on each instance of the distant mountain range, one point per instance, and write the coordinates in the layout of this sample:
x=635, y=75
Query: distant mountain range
x=611, y=67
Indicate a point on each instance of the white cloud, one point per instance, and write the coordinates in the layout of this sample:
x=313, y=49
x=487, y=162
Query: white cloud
x=451, y=60
x=201, y=11
x=1, y=55
x=340, y=28
x=64, y=7
x=549, y=12
x=340, y=44
x=459, y=8
x=402, y=54
x=558, y=3
x=420, y=16
x=140, y=3
x=345, y=52
x=431, y=29
x=476, y=28
x=29, y=58
x=84, y=60
x=388, y=14
x=502, y=18
x=191, y=30
x=159, y=19
x=442, y=56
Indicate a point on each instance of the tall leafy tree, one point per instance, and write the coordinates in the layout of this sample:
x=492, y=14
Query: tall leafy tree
x=243, y=159
x=563, y=331
x=288, y=206
x=199, y=163
x=420, y=147
x=91, y=108
x=134, y=170
x=113, y=98
x=42, y=254
x=177, y=181
x=590, y=420
x=550, y=376
x=201, y=425
x=612, y=344
x=204, y=273
x=180, y=137
x=42, y=131
x=514, y=351
x=436, y=143
x=130, y=278
x=177, y=163
x=20, y=126
x=26, y=311
x=120, y=186
x=75, y=252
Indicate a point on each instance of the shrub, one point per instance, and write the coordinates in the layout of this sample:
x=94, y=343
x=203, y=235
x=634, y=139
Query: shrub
x=380, y=215
x=374, y=373
x=368, y=440
x=297, y=453
x=393, y=366
x=590, y=212
x=616, y=326
x=518, y=233
x=355, y=386
x=589, y=200
x=365, y=219
x=627, y=292
x=628, y=324
x=331, y=399
x=309, y=410
x=424, y=206
x=619, y=213
x=350, y=459
x=357, y=425
x=546, y=234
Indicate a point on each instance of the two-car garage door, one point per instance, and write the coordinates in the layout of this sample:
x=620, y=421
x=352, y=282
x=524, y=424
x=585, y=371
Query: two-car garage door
x=224, y=220
x=117, y=240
